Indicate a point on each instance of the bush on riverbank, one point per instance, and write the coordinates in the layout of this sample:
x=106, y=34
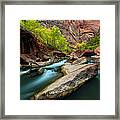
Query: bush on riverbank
x=92, y=44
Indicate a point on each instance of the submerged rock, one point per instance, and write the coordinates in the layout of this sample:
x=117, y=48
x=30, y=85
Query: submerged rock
x=32, y=72
x=68, y=83
x=40, y=71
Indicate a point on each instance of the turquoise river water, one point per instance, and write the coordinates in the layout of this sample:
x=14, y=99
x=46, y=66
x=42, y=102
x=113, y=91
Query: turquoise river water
x=28, y=86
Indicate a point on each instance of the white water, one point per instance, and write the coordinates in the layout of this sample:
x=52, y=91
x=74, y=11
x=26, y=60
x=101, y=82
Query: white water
x=28, y=86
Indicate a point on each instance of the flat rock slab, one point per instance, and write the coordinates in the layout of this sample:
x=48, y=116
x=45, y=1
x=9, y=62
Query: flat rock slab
x=69, y=68
x=68, y=83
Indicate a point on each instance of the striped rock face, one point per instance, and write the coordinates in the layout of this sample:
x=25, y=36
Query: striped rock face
x=75, y=30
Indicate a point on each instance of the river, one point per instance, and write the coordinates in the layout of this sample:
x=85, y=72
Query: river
x=28, y=86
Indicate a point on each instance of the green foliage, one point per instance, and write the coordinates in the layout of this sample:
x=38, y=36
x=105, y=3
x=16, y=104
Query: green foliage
x=91, y=45
x=52, y=37
x=80, y=45
x=30, y=25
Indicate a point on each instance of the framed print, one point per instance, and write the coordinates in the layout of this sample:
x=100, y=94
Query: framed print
x=59, y=59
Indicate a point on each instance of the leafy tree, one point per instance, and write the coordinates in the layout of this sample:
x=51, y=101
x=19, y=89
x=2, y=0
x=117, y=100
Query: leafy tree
x=52, y=37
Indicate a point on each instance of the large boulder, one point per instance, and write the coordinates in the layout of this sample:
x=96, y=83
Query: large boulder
x=81, y=60
x=68, y=83
x=97, y=51
x=88, y=53
x=58, y=54
x=82, y=53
